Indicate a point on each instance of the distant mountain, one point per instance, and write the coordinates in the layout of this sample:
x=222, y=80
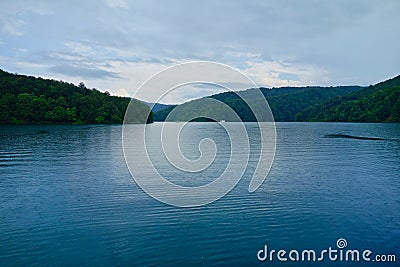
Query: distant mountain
x=157, y=106
x=161, y=115
x=378, y=103
x=285, y=102
x=27, y=99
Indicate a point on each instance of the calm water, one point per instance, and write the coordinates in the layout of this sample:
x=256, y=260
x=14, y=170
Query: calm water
x=67, y=198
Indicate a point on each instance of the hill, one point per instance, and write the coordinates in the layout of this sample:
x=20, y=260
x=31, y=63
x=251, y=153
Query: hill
x=27, y=99
x=162, y=114
x=155, y=107
x=378, y=103
x=285, y=102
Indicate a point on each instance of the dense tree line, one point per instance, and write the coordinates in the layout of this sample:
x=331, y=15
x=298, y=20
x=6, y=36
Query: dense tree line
x=285, y=103
x=286, y=106
x=378, y=103
x=27, y=99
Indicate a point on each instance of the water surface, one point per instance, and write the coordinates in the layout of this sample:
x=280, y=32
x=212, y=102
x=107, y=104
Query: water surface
x=67, y=197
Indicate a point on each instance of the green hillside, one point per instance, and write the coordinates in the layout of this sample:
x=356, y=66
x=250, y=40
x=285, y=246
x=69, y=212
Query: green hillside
x=285, y=102
x=378, y=103
x=162, y=114
x=27, y=99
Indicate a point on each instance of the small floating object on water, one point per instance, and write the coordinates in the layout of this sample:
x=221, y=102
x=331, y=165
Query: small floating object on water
x=353, y=137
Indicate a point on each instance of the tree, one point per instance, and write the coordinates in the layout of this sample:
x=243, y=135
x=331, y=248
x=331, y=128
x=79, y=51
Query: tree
x=26, y=99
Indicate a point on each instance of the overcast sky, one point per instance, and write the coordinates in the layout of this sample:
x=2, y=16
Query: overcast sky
x=116, y=45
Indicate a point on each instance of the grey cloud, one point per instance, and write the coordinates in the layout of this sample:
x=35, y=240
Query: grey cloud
x=355, y=41
x=223, y=86
x=83, y=72
x=289, y=76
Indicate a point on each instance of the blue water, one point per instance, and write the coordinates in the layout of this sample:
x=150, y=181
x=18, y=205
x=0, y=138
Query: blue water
x=67, y=198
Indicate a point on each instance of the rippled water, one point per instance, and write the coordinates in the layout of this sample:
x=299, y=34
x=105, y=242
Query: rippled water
x=67, y=197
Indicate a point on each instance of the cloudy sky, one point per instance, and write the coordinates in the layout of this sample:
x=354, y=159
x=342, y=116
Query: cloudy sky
x=116, y=45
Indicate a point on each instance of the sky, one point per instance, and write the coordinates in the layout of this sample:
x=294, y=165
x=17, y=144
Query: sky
x=116, y=45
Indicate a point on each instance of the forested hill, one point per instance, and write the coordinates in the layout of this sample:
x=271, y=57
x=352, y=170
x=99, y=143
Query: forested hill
x=285, y=102
x=27, y=99
x=378, y=103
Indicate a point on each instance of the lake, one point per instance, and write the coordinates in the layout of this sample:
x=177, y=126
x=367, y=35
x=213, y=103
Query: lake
x=67, y=198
